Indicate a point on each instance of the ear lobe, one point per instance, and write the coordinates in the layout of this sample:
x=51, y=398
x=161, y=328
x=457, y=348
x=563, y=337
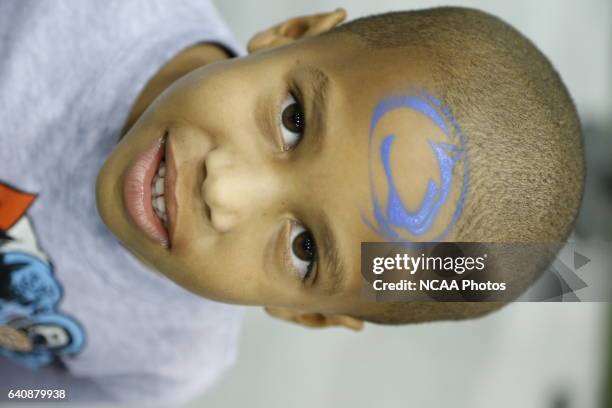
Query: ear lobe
x=295, y=29
x=315, y=320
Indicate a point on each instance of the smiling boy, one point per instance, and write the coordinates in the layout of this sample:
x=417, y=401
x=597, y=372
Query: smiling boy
x=250, y=179
x=254, y=180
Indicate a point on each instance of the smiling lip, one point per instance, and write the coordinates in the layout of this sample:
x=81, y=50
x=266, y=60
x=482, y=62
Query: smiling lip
x=137, y=192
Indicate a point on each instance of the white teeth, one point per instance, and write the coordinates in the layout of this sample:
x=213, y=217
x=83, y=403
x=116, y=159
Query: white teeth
x=158, y=200
x=158, y=186
x=160, y=204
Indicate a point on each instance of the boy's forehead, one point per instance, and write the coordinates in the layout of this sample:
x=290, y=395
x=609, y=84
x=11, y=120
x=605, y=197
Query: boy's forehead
x=400, y=169
x=354, y=65
x=351, y=62
x=397, y=154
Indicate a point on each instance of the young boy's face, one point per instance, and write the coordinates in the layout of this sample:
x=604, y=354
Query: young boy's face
x=266, y=205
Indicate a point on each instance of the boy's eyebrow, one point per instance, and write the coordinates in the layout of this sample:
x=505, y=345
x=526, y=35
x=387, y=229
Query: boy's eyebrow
x=319, y=88
x=334, y=281
x=319, y=81
x=319, y=85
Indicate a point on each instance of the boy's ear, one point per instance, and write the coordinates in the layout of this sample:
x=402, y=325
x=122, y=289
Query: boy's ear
x=294, y=29
x=316, y=320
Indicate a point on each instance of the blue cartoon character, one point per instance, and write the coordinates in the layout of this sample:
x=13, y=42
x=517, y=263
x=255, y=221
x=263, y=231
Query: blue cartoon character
x=32, y=331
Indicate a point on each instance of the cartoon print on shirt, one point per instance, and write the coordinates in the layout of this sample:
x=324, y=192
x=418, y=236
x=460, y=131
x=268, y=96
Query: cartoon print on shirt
x=32, y=331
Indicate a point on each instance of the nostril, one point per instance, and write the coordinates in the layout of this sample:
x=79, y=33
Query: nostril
x=215, y=204
x=207, y=211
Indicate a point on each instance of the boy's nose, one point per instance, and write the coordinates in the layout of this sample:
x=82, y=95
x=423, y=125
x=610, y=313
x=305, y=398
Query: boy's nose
x=235, y=191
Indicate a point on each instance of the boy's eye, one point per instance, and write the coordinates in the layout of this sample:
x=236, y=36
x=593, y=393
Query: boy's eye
x=292, y=122
x=302, y=250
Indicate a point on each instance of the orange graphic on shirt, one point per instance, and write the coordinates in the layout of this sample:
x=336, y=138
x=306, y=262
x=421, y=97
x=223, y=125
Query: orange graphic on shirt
x=13, y=205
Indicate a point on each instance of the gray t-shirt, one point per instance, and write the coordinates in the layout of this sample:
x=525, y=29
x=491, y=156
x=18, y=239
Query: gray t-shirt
x=77, y=311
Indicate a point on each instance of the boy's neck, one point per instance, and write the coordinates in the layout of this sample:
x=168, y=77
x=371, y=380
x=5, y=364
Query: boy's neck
x=184, y=62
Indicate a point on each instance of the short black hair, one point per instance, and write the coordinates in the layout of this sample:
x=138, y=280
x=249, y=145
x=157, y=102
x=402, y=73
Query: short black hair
x=522, y=132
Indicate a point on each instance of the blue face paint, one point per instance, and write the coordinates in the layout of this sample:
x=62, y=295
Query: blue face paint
x=396, y=220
